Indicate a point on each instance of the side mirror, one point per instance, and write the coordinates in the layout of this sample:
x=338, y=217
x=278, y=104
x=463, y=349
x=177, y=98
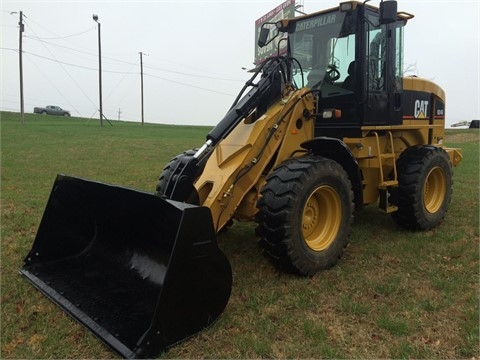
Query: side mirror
x=263, y=37
x=388, y=12
x=268, y=33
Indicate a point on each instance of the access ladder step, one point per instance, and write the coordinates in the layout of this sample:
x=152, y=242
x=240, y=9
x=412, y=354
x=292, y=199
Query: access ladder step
x=388, y=184
x=384, y=203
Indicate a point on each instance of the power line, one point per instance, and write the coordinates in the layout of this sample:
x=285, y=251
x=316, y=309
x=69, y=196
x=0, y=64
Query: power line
x=62, y=37
x=125, y=62
x=129, y=73
x=60, y=46
x=53, y=85
x=49, y=31
x=129, y=63
x=80, y=66
x=38, y=38
x=11, y=49
x=80, y=51
x=176, y=63
x=121, y=80
x=188, y=85
x=193, y=75
x=66, y=72
x=132, y=84
x=42, y=39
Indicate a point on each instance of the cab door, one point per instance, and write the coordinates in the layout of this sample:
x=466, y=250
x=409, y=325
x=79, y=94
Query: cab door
x=383, y=52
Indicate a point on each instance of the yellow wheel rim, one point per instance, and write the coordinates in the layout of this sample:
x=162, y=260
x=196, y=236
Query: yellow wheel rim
x=434, y=190
x=321, y=218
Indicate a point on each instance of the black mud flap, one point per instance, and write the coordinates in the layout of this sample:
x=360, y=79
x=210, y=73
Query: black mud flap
x=141, y=272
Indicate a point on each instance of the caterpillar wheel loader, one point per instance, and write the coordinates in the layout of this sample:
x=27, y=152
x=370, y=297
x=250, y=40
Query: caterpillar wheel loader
x=325, y=127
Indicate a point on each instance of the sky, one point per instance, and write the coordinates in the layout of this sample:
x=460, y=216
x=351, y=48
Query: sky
x=195, y=55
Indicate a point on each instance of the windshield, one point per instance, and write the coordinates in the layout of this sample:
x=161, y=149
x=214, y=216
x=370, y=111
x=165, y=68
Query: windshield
x=324, y=47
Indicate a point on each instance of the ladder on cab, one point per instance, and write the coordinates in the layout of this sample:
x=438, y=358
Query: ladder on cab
x=386, y=159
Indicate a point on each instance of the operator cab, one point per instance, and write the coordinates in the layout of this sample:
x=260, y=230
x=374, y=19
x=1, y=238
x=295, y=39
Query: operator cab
x=351, y=56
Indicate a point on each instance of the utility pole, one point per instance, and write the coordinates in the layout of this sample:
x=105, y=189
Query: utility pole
x=141, y=81
x=20, y=62
x=119, y=112
x=95, y=18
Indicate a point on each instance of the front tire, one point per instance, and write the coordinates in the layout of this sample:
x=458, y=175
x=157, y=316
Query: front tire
x=305, y=214
x=169, y=170
x=424, y=187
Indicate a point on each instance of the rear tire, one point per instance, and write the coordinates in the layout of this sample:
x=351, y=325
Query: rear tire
x=424, y=187
x=305, y=214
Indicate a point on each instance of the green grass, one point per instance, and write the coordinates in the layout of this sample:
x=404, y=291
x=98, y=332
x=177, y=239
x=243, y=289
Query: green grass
x=394, y=294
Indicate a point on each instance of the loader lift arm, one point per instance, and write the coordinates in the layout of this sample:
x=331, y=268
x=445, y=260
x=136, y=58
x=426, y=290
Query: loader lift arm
x=226, y=173
x=275, y=73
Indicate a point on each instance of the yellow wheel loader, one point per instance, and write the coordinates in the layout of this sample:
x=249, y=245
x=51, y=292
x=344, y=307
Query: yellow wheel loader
x=325, y=127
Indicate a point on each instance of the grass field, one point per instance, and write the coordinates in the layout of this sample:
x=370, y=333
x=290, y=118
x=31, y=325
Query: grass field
x=394, y=294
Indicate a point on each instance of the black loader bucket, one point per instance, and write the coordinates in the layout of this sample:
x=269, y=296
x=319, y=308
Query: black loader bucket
x=141, y=272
